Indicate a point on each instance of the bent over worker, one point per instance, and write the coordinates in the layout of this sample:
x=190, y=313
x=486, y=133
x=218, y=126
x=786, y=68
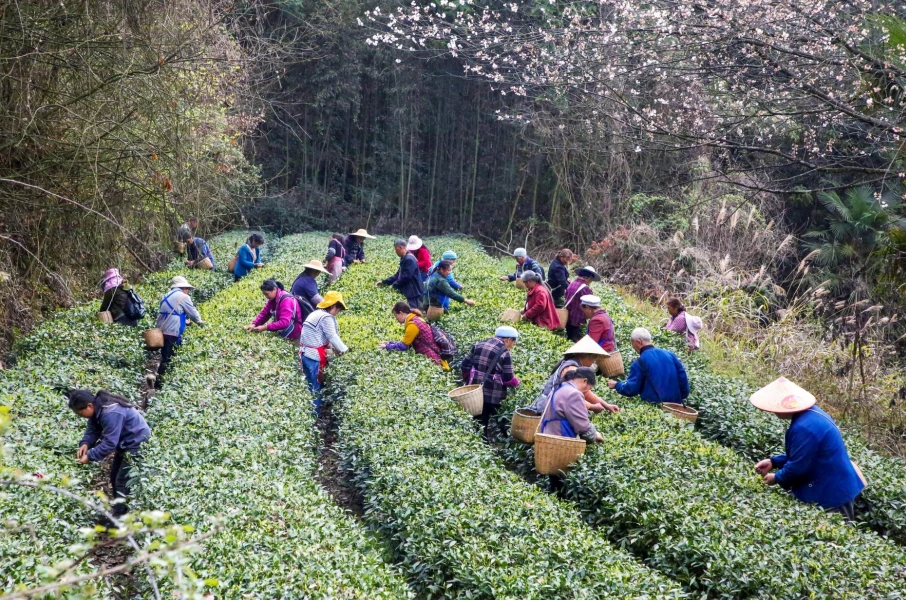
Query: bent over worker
x=583, y=353
x=408, y=279
x=815, y=465
x=489, y=363
x=657, y=376
x=320, y=332
x=175, y=308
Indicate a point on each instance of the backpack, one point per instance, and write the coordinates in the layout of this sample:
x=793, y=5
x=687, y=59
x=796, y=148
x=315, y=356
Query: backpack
x=444, y=342
x=298, y=318
x=136, y=308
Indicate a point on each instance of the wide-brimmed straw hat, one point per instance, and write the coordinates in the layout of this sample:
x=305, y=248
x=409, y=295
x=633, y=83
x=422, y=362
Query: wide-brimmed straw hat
x=111, y=279
x=586, y=346
x=317, y=265
x=332, y=298
x=180, y=282
x=782, y=397
x=364, y=234
x=588, y=272
x=414, y=243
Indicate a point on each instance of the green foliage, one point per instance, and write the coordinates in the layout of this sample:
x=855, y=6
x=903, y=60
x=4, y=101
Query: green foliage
x=461, y=524
x=660, y=212
x=38, y=528
x=234, y=437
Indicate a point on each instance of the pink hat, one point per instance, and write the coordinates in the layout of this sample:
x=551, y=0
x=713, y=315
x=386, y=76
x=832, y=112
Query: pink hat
x=111, y=279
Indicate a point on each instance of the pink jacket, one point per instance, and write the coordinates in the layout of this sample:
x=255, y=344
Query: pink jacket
x=282, y=314
x=687, y=326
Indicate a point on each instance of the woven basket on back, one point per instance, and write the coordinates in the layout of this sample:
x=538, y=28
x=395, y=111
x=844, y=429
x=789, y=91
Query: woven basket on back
x=105, y=316
x=179, y=247
x=520, y=285
x=680, y=412
x=524, y=424
x=204, y=264
x=554, y=453
x=154, y=338
x=470, y=397
x=510, y=315
x=611, y=365
x=564, y=315
x=435, y=312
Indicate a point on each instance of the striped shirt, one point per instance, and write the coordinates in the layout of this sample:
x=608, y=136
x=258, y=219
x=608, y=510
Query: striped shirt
x=320, y=329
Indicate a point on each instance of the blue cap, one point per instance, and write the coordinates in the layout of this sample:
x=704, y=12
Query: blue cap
x=505, y=331
x=448, y=255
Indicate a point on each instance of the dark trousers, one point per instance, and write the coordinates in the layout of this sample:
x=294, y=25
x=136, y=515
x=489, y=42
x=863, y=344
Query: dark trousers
x=414, y=302
x=848, y=511
x=574, y=332
x=119, y=479
x=490, y=411
x=166, y=353
x=559, y=296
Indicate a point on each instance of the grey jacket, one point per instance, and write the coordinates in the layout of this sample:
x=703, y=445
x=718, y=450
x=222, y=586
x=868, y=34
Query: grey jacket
x=173, y=304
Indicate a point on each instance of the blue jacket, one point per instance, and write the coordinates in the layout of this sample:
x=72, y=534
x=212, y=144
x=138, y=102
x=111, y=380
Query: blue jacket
x=199, y=250
x=816, y=466
x=558, y=279
x=246, y=259
x=117, y=427
x=407, y=280
x=657, y=376
x=530, y=264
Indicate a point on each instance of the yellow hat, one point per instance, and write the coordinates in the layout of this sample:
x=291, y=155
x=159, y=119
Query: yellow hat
x=332, y=298
x=782, y=397
x=586, y=346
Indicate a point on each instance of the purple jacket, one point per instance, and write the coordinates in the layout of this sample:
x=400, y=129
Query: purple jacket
x=570, y=405
x=282, y=313
x=574, y=292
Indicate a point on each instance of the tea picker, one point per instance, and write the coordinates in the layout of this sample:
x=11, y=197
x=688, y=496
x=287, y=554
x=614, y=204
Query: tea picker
x=198, y=253
x=490, y=365
x=524, y=263
x=176, y=309
x=417, y=335
x=657, y=375
x=815, y=465
x=320, y=332
x=121, y=304
x=355, y=246
x=114, y=427
x=539, y=306
x=575, y=291
x=407, y=280
x=583, y=353
x=441, y=291
x=281, y=309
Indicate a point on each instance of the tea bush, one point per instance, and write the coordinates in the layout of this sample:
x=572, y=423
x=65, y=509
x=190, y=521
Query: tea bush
x=71, y=350
x=234, y=436
x=727, y=417
x=461, y=524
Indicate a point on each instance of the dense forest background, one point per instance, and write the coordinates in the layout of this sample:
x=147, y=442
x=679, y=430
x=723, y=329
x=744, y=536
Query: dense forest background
x=747, y=157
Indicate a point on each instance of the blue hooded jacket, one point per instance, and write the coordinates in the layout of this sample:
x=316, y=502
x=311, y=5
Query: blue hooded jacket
x=816, y=467
x=117, y=427
x=657, y=376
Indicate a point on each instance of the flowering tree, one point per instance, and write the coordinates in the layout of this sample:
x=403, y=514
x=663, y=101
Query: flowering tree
x=779, y=93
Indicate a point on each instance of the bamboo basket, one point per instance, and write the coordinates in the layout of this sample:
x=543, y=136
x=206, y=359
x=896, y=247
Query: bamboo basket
x=470, y=397
x=563, y=313
x=179, y=247
x=435, y=313
x=611, y=365
x=520, y=285
x=510, y=315
x=205, y=264
x=859, y=473
x=524, y=424
x=105, y=316
x=154, y=338
x=680, y=412
x=555, y=454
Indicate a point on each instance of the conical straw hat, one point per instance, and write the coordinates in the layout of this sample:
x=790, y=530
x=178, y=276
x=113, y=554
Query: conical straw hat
x=586, y=346
x=363, y=233
x=782, y=397
x=317, y=265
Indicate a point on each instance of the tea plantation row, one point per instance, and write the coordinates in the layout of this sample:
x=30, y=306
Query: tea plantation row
x=460, y=524
x=728, y=418
x=689, y=507
x=234, y=436
x=74, y=350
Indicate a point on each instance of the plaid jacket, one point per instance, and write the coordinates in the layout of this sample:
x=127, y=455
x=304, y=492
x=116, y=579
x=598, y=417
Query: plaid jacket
x=480, y=358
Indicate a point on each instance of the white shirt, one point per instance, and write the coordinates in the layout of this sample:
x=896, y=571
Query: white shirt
x=320, y=329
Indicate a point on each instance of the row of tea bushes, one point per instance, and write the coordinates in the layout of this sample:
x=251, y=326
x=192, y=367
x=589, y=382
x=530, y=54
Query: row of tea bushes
x=688, y=506
x=461, y=524
x=71, y=350
x=234, y=437
x=728, y=418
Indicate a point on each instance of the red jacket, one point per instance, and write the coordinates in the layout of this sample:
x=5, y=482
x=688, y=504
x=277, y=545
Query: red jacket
x=540, y=309
x=423, y=256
